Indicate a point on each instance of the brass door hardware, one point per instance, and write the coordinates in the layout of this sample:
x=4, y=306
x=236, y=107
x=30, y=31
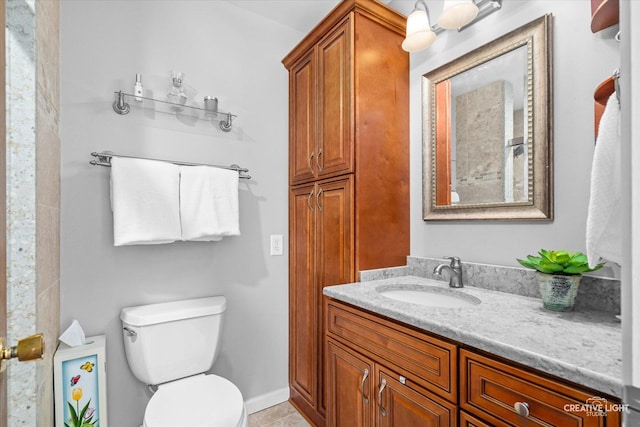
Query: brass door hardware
x=30, y=348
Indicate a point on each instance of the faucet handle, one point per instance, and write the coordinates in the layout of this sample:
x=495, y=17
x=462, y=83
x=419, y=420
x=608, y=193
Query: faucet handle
x=455, y=261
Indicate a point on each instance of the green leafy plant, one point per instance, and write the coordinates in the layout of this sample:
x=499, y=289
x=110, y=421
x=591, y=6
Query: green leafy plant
x=559, y=262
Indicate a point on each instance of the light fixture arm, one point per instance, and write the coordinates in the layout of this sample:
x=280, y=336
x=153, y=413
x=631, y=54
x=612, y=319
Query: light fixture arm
x=424, y=5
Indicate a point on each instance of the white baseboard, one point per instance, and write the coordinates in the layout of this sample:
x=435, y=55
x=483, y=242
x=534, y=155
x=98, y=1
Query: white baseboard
x=267, y=400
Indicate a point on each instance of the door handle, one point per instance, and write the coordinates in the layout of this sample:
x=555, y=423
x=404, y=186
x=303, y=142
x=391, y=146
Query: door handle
x=30, y=348
x=383, y=384
x=362, y=384
x=318, y=160
x=309, y=201
x=318, y=199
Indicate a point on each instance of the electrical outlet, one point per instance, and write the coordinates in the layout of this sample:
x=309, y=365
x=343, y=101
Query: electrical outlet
x=276, y=244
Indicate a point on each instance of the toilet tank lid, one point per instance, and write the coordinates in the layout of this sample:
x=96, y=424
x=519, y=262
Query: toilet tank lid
x=170, y=311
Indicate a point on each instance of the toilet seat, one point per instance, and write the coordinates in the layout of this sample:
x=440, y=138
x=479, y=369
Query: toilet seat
x=199, y=401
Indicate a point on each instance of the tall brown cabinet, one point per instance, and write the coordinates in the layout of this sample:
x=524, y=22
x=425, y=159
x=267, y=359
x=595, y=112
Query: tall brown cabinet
x=348, y=172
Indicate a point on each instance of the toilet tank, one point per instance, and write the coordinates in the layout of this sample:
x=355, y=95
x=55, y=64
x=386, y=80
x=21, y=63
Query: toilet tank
x=167, y=341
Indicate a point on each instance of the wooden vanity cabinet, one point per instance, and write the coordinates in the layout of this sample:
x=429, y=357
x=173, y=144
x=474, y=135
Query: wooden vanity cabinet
x=348, y=171
x=377, y=373
x=382, y=373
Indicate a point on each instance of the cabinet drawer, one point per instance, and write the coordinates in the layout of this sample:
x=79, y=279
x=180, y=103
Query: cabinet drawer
x=490, y=389
x=428, y=361
x=467, y=420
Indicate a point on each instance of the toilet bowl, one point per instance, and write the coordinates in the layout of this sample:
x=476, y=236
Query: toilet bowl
x=200, y=401
x=171, y=345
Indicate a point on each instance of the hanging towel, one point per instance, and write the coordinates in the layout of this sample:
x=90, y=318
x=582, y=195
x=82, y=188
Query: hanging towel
x=145, y=201
x=604, y=231
x=208, y=203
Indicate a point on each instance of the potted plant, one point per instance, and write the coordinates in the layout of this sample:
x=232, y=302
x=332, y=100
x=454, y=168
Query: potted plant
x=559, y=275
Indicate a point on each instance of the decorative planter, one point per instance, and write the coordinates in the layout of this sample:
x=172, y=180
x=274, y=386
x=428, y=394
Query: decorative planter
x=558, y=292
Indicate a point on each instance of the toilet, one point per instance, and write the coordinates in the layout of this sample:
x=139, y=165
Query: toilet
x=171, y=345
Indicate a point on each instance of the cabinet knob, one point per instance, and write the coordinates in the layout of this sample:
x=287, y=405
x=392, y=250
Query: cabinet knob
x=522, y=408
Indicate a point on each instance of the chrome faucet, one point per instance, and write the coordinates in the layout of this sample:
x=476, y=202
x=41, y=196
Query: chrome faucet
x=455, y=271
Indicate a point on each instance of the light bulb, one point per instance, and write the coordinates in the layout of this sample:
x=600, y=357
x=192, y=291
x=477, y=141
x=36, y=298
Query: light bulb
x=457, y=13
x=419, y=34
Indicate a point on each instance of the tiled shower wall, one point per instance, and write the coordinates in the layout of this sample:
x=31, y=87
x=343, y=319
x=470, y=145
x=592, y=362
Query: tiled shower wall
x=33, y=201
x=480, y=142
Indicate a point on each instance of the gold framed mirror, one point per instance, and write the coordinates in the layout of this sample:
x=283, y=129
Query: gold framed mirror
x=487, y=131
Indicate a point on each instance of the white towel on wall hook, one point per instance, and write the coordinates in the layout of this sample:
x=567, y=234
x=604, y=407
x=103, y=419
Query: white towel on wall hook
x=604, y=228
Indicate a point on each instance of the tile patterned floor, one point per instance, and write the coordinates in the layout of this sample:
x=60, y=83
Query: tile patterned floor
x=282, y=415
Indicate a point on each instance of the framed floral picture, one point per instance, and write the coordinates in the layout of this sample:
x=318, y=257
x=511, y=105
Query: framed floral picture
x=80, y=384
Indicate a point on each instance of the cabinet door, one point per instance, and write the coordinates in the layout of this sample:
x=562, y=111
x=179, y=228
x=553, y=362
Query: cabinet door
x=467, y=420
x=400, y=405
x=302, y=119
x=335, y=109
x=334, y=234
x=334, y=223
x=303, y=298
x=349, y=382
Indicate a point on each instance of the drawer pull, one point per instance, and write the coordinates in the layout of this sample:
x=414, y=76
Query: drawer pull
x=311, y=162
x=522, y=408
x=383, y=384
x=364, y=380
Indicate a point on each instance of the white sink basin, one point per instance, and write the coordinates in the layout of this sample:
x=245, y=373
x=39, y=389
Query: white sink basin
x=429, y=296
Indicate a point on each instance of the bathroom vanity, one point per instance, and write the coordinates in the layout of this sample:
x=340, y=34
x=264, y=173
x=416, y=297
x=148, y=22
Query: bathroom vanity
x=493, y=359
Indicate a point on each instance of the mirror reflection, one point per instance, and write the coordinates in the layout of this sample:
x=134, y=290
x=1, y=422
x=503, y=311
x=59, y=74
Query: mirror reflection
x=487, y=108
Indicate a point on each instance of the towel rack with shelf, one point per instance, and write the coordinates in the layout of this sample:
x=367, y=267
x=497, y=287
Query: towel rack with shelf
x=104, y=159
x=122, y=107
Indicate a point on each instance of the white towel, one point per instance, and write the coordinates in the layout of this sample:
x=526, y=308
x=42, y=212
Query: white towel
x=208, y=203
x=145, y=201
x=604, y=231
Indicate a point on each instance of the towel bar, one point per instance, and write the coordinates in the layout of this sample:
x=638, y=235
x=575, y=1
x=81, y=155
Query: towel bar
x=104, y=159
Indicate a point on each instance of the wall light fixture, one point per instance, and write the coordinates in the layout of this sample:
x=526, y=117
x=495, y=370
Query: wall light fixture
x=456, y=14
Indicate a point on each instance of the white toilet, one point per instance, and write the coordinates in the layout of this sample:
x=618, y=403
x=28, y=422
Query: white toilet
x=171, y=345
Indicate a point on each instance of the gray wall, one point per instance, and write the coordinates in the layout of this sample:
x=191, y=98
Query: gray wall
x=226, y=52
x=581, y=60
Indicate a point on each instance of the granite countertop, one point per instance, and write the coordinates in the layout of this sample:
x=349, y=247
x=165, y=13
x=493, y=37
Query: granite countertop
x=584, y=347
